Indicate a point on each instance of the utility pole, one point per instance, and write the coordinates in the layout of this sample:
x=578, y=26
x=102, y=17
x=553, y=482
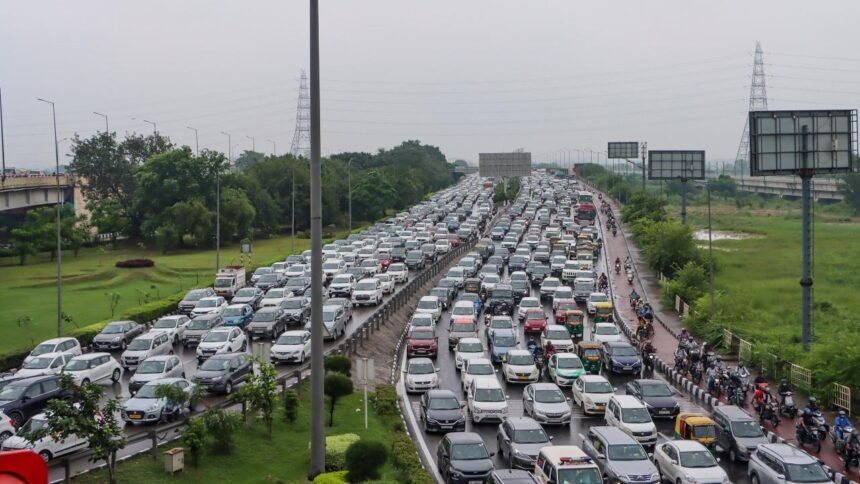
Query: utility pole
x=218, y=201
x=107, y=126
x=644, y=149
x=154, y=126
x=710, y=253
x=253, y=143
x=274, y=147
x=349, y=182
x=196, y=140
x=293, y=210
x=2, y=141
x=317, y=368
x=59, y=222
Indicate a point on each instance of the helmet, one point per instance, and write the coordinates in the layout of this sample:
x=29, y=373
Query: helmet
x=683, y=329
x=842, y=413
x=784, y=381
x=806, y=411
x=812, y=399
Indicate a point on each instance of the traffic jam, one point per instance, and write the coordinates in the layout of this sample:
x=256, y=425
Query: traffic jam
x=516, y=369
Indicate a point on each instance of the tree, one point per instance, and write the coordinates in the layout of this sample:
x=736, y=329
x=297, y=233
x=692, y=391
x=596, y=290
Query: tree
x=291, y=406
x=237, y=214
x=221, y=425
x=850, y=190
x=364, y=458
x=260, y=391
x=24, y=243
x=194, y=439
x=371, y=195
x=109, y=218
x=193, y=219
x=668, y=246
x=644, y=205
x=338, y=363
x=724, y=185
x=337, y=385
x=85, y=417
x=247, y=159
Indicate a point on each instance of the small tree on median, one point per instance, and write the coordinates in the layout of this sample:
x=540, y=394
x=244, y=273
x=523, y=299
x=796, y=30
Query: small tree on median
x=337, y=385
x=194, y=439
x=261, y=393
x=339, y=364
x=291, y=406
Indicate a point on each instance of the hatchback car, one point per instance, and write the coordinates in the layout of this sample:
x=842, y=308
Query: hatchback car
x=519, y=439
x=117, y=335
x=221, y=373
x=238, y=315
x=606, y=332
x=461, y=328
x=222, y=340
x=45, y=364
x=147, y=407
x=441, y=412
x=564, y=368
x=657, y=396
x=462, y=458
x=476, y=368
x=784, y=464
x=620, y=457
x=422, y=342
x=21, y=399
x=150, y=344
x=48, y=447
x=173, y=325
x=690, y=461
x=92, y=368
x=486, y=400
x=199, y=326
x=209, y=305
x=155, y=368
x=420, y=375
x=269, y=322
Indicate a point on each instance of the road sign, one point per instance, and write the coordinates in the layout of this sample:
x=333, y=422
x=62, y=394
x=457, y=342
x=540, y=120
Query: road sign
x=622, y=150
x=676, y=165
x=366, y=373
x=505, y=165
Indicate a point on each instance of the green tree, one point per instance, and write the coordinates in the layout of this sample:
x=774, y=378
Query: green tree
x=260, y=391
x=194, y=439
x=108, y=216
x=364, y=458
x=221, y=425
x=372, y=193
x=237, y=215
x=644, y=205
x=724, y=185
x=336, y=386
x=88, y=416
x=247, y=159
x=850, y=190
x=192, y=219
x=668, y=246
x=338, y=363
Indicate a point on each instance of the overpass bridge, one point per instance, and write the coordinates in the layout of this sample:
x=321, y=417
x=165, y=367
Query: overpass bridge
x=21, y=193
x=823, y=189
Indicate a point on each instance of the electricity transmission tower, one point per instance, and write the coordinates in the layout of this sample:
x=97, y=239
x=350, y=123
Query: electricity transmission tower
x=758, y=102
x=301, y=144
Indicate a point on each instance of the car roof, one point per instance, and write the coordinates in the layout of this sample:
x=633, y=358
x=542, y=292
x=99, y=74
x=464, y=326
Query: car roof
x=234, y=306
x=649, y=381
x=788, y=453
x=51, y=355
x=464, y=438
x=222, y=329
x=57, y=340
x=420, y=360
x=628, y=401
x=618, y=343
x=180, y=316
x=430, y=298
x=224, y=356
x=487, y=383
x=90, y=356
x=164, y=381
x=523, y=422
x=268, y=309
x=31, y=379
x=593, y=378
x=557, y=327
x=441, y=394
x=688, y=445
x=469, y=340
x=545, y=386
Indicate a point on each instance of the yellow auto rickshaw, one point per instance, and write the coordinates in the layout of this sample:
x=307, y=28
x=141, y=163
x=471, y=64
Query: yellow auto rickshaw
x=574, y=320
x=698, y=427
x=591, y=355
x=603, y=312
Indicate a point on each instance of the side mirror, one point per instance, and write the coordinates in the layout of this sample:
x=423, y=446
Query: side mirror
x=551, y=437
x=674, y=461
x=438, y=370
x=404, y=370
x=601, y=456
x=492, y=454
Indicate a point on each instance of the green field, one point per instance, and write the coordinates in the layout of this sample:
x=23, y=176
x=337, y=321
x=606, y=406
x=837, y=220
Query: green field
x=31, y=291
x=284, y=459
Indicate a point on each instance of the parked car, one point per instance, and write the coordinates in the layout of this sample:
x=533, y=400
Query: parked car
x=117, y=335
x=221, y=340
x=154, y=368
x=209, y=305
x=48, y=447
x=21, y=399
x=70, y=346
x=146, y=407
x=186, y=305
x=93, y=368
x=222, y=372
x=690, y=461
x=462, y=458
x=238, y=315
x=291, y=346
x=441, y=411
x=274, y=296
x=546, y=403
x=146, y=345
x=519, y=439
x=45, y=364
x=199, y=326
x=250, y=296
x=420, y=375
x=298, y=285
x=173, y=325
x=346, y=304
x=269, y=322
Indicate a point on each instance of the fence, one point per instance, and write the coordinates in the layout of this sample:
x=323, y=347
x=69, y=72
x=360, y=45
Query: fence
x=842, y=397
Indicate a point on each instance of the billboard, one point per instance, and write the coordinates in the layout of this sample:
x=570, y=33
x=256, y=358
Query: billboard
x=780, y=140
x=505, y=164
x=676, y=165
x=622, y=150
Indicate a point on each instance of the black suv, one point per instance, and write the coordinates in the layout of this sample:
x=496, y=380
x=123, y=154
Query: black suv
x=298, y=285
x=190, y=300
x=501, y=300
x=398, y=254
x=462, y=457
x=221, y=373
x=21, y=399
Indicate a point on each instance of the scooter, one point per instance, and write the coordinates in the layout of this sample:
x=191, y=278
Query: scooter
x=617, y=268
x=649, y=362
x=847, y=447
x=768, y=413
x=810, y=438
x=630, y=278
x=787, y=407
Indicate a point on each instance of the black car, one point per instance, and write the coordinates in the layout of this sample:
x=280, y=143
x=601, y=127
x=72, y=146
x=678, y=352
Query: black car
x=268, y=281
x=521, y=289
x=519, y=440
x=539, y=273
x=298, y=285
x=441, y=412
x=248, y=295
x=444, y=294
x=415, y=260
x=621, y=357
x=190, y=300
x=511, y=476
x=221, y=373
x=269, y=322
x=657, y=396
x=518, y=263
x=497, y=261
x=297, y=310
x=501, y=300
x=117, y=335
x=398, y=254
x=21, y=399
x=462, y=457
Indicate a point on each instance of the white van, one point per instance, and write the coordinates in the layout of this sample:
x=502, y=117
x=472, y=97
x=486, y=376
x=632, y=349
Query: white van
x=630, y=415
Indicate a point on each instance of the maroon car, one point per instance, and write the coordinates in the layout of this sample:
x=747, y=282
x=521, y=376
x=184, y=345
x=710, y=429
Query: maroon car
x=535, y=321
x=384, y=260
x=422, y=341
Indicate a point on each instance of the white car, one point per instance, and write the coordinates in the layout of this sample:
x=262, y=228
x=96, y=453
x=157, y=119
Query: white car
x=422, y=320
x=367, y=291
x=222, y=340
x=464, y=310
x=476, y=368
x=490, y=281
x=525, y=304
x=92, y=368
x=559, y=336
x=548, y=287
x=518, y=366
x=155, y=368
x=592, y=393
x=275, y=296
x=47, y=447
x=631, y=416
x=467, y=349
x=399, y=272
x=291, y=346
x=174, y=326
x=297, y=270
x=341, y=286
x=430, y=305
x=46, y=364
x=209, y=305
x=442, y=247
x=333, y=267
x=7, y=429
x=69, y=346
x=688, y=461
x=604, y=332
x=486, y=400
x=458, y=274
x=150, y=344
x=421, y=375
x=594, y=298
x=387, y=283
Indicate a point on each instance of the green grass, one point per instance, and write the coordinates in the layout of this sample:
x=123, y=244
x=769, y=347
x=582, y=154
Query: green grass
x=30, y=290
x=255, y=458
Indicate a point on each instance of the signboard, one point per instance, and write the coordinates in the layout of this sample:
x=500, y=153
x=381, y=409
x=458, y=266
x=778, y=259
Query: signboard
x=505, y=165
x=788, y=142
x=676, y=165
x=622, y=150
x=246, y=248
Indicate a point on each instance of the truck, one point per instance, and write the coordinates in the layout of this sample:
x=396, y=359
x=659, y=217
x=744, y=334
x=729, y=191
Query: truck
x=229, y=280
x=586, y=212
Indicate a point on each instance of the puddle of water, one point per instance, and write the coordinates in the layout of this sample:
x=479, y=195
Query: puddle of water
x=723, y=235
x=724, y=249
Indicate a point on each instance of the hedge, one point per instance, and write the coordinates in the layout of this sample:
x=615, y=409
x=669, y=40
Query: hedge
x=335, y=450
x=406, y=461
x=337, y=477
x=386, y=400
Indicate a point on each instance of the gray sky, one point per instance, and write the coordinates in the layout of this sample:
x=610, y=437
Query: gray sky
x=467, y=76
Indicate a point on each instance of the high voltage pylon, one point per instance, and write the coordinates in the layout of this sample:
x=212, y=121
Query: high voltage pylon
x=301, y=144
x=758, y=102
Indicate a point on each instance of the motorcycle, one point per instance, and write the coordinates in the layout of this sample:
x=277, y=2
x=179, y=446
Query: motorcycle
x=649, y=362
x=787, y=406
x=822, y=427
x=614, y=232
x=768, y=413
x=810, y=438
x=847, y=447
x=617, y=268
x=715, y=385
x=630, y=278
x=696, y=372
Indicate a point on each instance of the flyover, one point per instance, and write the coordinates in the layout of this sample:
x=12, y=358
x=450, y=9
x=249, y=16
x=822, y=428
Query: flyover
x=823, y=189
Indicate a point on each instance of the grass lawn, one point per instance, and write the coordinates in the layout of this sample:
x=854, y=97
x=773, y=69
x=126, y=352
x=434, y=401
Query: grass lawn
x=283, y=459
x=30, y=290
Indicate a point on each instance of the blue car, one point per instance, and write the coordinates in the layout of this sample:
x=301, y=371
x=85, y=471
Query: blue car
x=238, y=315
x=476, y=299
x=621, y=357
x=503, y=341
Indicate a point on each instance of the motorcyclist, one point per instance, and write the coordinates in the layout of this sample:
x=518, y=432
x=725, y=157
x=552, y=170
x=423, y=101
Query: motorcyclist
x=602, y=279
x=548, y=349
x=648, y=348
x=634, y=296
x=680, y=354
x=807, y=422
x=812, y=404
x=784, y=388
x=760, y=398
x=531, y=345
x=685, y=335
x=842, y=422
x=742, y=371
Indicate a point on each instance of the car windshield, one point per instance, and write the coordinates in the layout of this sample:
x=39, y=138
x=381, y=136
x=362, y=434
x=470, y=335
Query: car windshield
x=480, y=369
x=463, y=328
x=606, y=330
x=416, y=321
x=223, y=282
x=343, y=279
x=421, y=368
x=150, y=367
x=329, y=315
x=421, y=335
x=556, y=334
x=215, y=364
x=206, y=303
x=535, y=314
x=110, y=329
x=524, y=359
x=635, y=415
x=331, y=265
x=530, y=436
x=194, y=296
x=165, y=323
x=296, y=282
x=569, y=363
x=38, y=363
x=246, y=292
x=290, y=339
x=268, y=278
x=501, y=323
x=265, y=317
x=529, y=303
x=489, y=395
x=276, y=293
x=427, y=304
x=473, y=451
x=655, y=390
x=366, y=286
x=140, y=344
x=549, y=396
x=623, y=351
x=504, y=340
x=12, y=392
x=216, y=337
x=469, y=347
x=550, y=284
x=234, y=312
x=598, y=387
x=588, y=475
x=444, y=403
x=147, y=391
x=697, y=459
x=503, y=294
x=746, y=429
x=704, y=431
x=461, y=310
x=33, y=425
x=261, y=271
x=596, y=298
x=626, y=452
x=811, y=472
x=75, y=365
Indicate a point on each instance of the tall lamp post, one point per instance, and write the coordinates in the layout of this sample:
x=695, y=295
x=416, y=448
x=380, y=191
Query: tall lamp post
x=253, y=143
x=349, y=182
x=196, y=140
x=154, y=126
x=59, y=221
x=218, y=201
x=107, y=126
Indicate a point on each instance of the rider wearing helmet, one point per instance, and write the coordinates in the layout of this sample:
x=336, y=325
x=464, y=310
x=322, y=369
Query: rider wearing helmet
x=685, y=335
x=842, y=422
x=807, y=422
x=812, y=405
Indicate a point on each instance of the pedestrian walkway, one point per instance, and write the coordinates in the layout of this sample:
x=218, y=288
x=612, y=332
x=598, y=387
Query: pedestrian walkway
x=668, y=324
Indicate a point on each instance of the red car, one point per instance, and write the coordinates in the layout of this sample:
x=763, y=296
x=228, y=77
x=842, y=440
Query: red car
x=422, y=341
x=384, y=260
x=535, y=321
x=454, y=241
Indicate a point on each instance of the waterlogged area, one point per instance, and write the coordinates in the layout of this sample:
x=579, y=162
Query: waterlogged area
x=724, y=235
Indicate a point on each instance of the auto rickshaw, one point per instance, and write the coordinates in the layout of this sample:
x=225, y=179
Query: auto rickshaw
x=590, y=353
x=698, y=427
x=574, y=323
x=603, y=312
x=473, y=284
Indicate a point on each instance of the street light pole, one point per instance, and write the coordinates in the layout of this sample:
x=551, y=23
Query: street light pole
x=154, y=126
x=274, y=147
x=107, y=126
x=59, y=222
x=218, y=203
x=2, y=140
x=196, y=140
x=349, y=182
x=253, y=143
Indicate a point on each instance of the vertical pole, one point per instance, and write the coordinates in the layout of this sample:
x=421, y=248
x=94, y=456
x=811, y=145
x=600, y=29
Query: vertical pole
x=196, y=143
x=366, y=377
x=644, y=147
x=217, y=218
x=683, y=201
x=317, y=382
x=710, y=253
x=806, y=243
x=293, y=216
x=2, y=141
x=59, y=226
x=349, y=182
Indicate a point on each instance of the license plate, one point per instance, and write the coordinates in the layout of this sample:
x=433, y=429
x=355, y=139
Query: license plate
x=135, y=417
x=523, y=378
x=475, y=482
x=446, y=427
x=601, y=405
x=628, y=367
x=664, y=412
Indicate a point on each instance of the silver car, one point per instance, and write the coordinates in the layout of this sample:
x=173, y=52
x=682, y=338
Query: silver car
x=519, y=439
x=546, y=403
x=155, y=368
x=146, y=407
x=784, y=464
x=619, y=457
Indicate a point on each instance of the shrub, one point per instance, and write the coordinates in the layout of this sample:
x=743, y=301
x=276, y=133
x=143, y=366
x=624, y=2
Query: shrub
x=337, y=477
x=690, y=283
x=336, y=386
x=194, y=439
x=338, y=363
x=221, y=425
x=386, y=400
x=135, y=263
x=364, y=459
x=335, y=450
x=291, y=406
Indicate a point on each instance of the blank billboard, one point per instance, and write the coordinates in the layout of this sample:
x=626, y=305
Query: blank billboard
x=506, y=165
x=622, y=150
x=676, y=165
x=777, y=141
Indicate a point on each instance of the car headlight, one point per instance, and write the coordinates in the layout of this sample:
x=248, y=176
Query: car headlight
x=153, y=407
x=477, y=410
x=456, y=474
x=588, y=400
x=116, y=340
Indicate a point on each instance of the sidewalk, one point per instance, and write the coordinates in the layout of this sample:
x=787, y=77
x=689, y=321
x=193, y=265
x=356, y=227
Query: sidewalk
x=665, y=339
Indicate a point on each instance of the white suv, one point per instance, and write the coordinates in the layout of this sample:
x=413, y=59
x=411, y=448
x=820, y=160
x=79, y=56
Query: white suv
x=486, y=400
x=630, y=415
x=399, y=272
x=367, y=291
x=430, y=305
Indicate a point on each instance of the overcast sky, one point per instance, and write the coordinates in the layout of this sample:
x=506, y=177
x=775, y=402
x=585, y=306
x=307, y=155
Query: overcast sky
x=465, y=75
